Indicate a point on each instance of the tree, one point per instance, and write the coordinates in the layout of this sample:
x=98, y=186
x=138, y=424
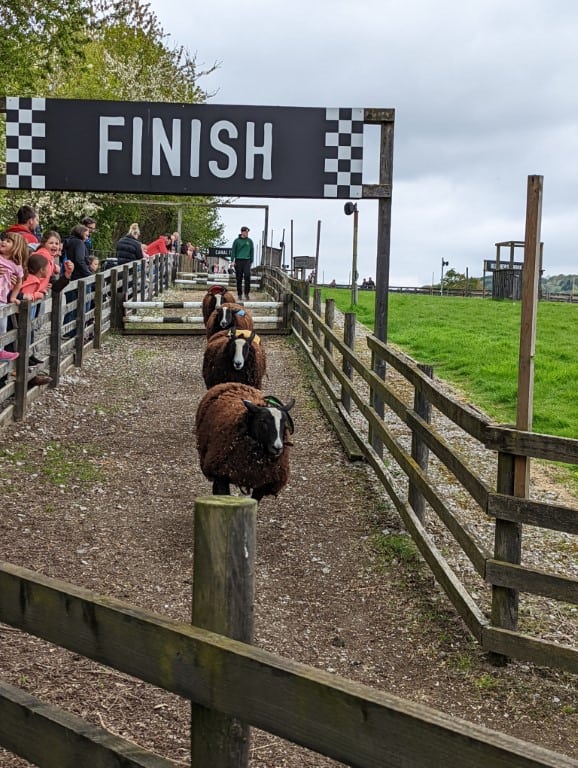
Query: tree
x=126, y=57
x=39, y=39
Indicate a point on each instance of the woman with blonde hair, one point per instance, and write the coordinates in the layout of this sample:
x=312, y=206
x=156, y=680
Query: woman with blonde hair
x=128, y=248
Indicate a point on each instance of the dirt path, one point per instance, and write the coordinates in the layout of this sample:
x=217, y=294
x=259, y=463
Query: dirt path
x=99, y=486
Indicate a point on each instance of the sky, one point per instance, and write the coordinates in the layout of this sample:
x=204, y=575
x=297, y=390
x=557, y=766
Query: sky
x=485, y=94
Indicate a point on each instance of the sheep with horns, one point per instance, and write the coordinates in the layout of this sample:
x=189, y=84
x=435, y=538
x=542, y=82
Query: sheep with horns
x=215, y=296
x=229, y=316
x=234, y=355
x=243, y=439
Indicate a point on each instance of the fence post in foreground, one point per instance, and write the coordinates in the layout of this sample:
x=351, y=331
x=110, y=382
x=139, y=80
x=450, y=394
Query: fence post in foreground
x=419, y=450
x=223, y=598
x=349, y=341
x=508, y=548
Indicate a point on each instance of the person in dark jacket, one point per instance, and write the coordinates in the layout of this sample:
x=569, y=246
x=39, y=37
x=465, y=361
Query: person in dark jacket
x=75, y=250
x=128, y=248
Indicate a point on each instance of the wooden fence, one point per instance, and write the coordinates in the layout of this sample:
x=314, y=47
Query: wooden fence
x=349, y=385
x=67, y=324
x=226, y=680
x=185, y=318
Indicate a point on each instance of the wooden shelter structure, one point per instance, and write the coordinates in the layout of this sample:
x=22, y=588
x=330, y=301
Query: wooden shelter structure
x=507, y=274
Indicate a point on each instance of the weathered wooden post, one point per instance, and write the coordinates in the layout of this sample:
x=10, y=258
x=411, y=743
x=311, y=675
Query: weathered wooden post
x=143, y=279
x=349, y=341
x=156, y=270
x=80, y=323
x=514, y=471
x=56, y=316
x=98, y=308
x=329, y=322
x=23, y=345
x=316, y=328
x=419, y=450
x=116, y=308
x=223, y=598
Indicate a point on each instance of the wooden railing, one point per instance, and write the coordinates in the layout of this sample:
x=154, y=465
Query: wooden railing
x=352, y=386
x=223, y=678
x=71, y=322
x=227, y=678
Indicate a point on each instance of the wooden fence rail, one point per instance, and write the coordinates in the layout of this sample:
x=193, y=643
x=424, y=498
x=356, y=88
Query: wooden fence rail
x=70, y=323
x=331, y=356
x=225, y=678
x=346, y=721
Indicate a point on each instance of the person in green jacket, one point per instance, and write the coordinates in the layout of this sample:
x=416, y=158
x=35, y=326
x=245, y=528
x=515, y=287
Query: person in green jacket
x=242, y=254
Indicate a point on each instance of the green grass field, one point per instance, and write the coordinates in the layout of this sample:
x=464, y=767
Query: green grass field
x=474, y=344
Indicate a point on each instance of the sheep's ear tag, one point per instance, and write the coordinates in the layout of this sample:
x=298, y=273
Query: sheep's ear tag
x=240, y=312
x=274, y=402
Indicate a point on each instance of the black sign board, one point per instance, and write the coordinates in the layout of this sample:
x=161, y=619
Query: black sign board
x=223, y=253
x=304, y=262
x=183, y=149
x=493, y=266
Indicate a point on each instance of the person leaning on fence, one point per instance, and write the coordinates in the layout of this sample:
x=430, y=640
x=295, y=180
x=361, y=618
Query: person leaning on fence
x=160, y=245
x=35, y=284
x=129, y=248
x=75, y=251
x=242, y=254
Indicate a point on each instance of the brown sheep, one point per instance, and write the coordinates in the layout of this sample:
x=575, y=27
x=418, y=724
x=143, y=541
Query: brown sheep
x=229, y=315
x=234, y=355
x=215, y=296
x=243, y=438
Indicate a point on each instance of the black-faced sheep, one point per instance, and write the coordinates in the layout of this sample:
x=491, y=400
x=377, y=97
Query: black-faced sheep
x=234, y=355
x=243, y=438
x=229, y=316
x=215, y=296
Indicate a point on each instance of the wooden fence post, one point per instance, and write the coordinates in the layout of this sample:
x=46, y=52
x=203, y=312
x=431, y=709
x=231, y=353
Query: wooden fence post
x=419, y=450
x=349, y=341
x=223, y=597
x=507, y=547
x=329, y=322
x=80, y=323
x=98, y=308
x=56, y=316
x=317, y=310
x=143, y=279
x=156, y=267
x=24, y=320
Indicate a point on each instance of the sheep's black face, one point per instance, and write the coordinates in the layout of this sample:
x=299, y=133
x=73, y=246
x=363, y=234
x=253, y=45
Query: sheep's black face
x=267, y=427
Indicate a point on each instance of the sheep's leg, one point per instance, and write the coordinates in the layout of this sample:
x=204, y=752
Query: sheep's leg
x=221, y=487
x=258, y=493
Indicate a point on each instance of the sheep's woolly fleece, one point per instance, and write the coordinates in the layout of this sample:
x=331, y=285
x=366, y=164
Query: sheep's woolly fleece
x=218, y=360
x=242, y=319
x=226, y=450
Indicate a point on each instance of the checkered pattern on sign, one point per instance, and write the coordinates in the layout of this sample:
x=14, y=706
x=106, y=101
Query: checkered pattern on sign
x=25, y=143
x=343, y=153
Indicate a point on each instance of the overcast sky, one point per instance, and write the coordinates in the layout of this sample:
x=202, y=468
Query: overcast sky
x=485, y=93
